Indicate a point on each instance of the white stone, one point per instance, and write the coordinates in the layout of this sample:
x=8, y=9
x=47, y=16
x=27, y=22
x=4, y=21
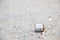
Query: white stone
x=32, y=33
x=50, y=19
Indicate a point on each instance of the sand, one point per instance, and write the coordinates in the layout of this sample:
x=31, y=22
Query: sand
x=18, y=17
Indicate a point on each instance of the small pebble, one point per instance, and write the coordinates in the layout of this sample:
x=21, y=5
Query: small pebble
x=50, y=19
x=32, y=33
x=24, y=36
x=27, y=34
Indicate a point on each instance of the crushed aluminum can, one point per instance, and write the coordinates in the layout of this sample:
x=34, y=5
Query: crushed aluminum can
x=39, y=28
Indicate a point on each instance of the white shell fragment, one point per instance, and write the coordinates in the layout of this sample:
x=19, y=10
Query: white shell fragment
x=39, y=27
x=50, y=19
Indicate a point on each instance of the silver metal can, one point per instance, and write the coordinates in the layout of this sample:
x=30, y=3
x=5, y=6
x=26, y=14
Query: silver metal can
x=39, y=28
